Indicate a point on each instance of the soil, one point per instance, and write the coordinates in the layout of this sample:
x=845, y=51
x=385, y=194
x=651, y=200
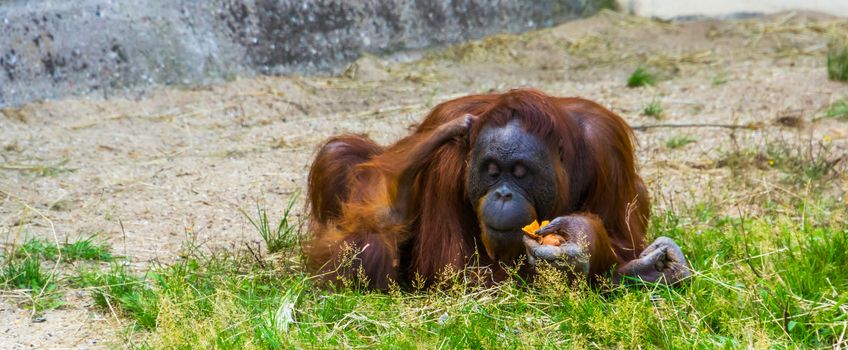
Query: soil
x=151, y=172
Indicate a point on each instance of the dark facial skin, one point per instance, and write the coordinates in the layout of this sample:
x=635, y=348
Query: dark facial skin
x=511, y=183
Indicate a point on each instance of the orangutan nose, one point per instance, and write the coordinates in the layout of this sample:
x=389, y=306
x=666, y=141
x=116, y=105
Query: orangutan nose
x=503, y=194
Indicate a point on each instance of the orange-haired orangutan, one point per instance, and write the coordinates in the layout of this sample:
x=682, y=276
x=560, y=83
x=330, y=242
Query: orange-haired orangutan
x=477, y=170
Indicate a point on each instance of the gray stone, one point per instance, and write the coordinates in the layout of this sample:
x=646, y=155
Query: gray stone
x=51, y=49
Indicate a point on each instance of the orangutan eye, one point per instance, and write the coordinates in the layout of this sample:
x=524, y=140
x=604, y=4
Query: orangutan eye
x=519, y=171
x=493, y=170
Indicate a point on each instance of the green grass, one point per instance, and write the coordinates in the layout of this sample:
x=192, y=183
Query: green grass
x=41, y=170
x=837, y=60
x=676, y=142
x=776, y=281
x=87, y=249
x=25, y=273
x=761, y=282
x=766, y=281
x=838, y=109
x=641, y=77
x=83, y=249
x=28, y=276
x=34, y=267
x=719, y=79
x=653, y=109
x=37, y=248
x=117, y=289
x=285, y=234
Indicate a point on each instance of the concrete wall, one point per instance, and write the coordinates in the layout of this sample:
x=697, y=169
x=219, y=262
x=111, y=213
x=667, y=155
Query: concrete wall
x=682, y=9
x=53, y=48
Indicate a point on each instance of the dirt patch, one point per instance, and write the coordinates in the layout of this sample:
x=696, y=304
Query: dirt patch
x=155, y=171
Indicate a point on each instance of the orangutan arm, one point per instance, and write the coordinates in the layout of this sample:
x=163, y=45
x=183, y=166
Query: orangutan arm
x=420, y=154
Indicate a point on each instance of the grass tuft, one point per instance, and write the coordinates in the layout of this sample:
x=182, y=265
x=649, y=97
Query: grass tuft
x=22, y=268
x=83, y=249
x=286, y=234
x=87, y=249
x=117, y=289
x=41, y=170
x=719, y=79
x=37, y=248
x=814, y=163
x=837, y=60
x=641, y=77
x=653, y=109
x=838, y=109
x=25, y=273
x=676, y=142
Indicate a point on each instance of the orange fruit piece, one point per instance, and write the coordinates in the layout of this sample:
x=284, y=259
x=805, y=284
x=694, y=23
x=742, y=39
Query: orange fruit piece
x=552, y=239
x=531, y=228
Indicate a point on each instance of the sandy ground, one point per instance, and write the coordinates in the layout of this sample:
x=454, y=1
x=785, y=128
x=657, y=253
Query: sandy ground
x=151, y=172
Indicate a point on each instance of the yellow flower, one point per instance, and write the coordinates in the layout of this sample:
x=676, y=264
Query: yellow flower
x=771, y=162
x=826, y=138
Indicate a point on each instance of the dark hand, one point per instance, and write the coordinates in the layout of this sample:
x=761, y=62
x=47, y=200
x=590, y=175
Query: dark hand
x=662, y=261
x=456, y=127
x=572, y=255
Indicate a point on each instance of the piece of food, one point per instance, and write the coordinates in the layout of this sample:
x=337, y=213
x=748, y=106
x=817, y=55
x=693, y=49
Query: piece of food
x=552, y=239
x=534, y=226
x=548, y=239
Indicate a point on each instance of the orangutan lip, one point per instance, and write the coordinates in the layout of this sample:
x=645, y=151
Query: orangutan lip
x=491, y=227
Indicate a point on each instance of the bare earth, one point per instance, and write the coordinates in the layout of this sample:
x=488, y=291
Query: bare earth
x=149, y=173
